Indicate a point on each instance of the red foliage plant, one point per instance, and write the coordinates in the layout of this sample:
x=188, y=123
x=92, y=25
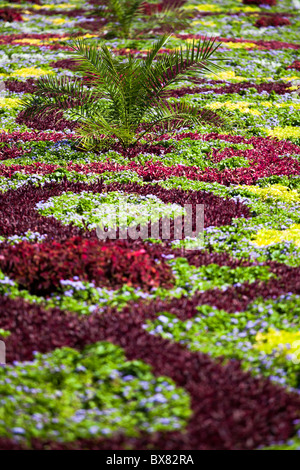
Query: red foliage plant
x=295, y=65
x=10, y=15
x=266, y=159
x=41, y=267
x=275, y=21
x=150, y=8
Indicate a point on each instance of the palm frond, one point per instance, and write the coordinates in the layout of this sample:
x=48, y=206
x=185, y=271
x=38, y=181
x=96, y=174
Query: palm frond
x=172, y=116
x=154, y=50
x=89, y=59
x=97, y=129
x=57, y=94
x=170, y=68
x=194, y=59
x=35, y=105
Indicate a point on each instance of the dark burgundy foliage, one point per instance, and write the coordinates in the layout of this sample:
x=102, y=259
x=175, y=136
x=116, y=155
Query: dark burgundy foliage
x=29, y=85
x=18, y=214
x=50, y=121
x=68, y=64
x=16, y=86
x=203, y=258
x=241, y=13
x=217, y=211
x=279, y=87
x=260, y=2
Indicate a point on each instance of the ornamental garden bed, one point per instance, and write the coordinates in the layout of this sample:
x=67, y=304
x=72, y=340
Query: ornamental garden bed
x=185, y=337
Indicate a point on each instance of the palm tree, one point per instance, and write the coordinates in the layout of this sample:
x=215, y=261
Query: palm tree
x=122, y=14
x=127, y=96
x=168, y=14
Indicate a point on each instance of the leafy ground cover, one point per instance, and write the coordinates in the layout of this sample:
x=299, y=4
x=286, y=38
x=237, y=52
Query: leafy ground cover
x=144, y=343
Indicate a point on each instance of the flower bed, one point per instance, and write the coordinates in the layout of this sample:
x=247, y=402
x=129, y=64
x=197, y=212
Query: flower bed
x=152, y=342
